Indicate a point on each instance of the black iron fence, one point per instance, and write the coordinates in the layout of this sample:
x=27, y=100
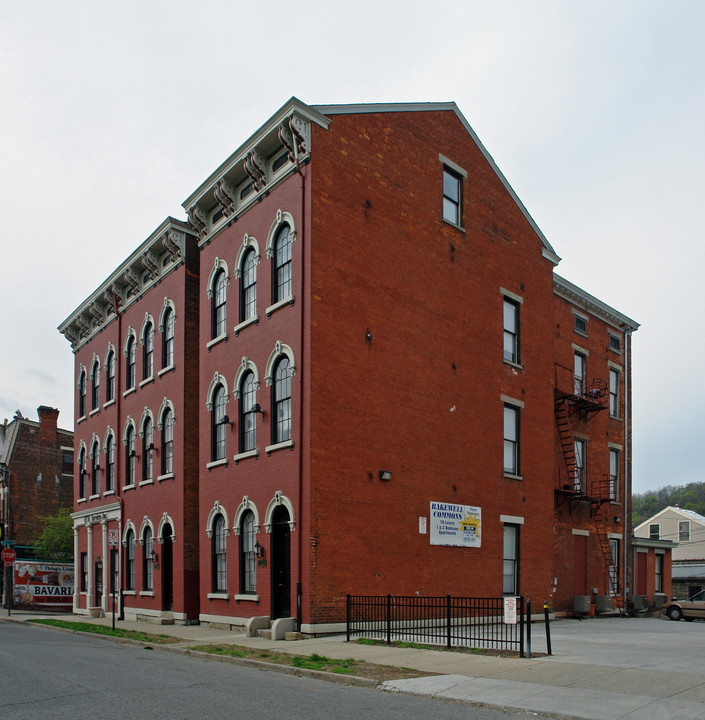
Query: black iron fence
x=445, y=620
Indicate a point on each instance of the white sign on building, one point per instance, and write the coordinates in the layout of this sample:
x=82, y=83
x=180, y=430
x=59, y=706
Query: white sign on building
x=457, y=525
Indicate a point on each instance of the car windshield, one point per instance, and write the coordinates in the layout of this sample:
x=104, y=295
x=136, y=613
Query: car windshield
x=698, y=597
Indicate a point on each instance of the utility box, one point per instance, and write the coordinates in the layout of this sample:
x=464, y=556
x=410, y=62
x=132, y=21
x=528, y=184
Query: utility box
x=581, y=604
x=659, y=600
x=603, y=604
x=639, y=602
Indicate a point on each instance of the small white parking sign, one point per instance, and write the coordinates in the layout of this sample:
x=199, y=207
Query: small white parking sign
x=112, y=537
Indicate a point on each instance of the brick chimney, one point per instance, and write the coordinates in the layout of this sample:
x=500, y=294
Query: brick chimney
x=48, y=423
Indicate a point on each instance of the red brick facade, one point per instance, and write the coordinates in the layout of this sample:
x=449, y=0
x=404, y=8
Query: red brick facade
x=378, y=330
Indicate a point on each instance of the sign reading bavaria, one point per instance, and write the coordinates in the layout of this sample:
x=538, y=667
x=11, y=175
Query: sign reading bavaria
x=457, y=525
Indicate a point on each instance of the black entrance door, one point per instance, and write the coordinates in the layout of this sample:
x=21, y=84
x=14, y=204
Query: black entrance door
x=281, y=563
x=98, y=584
x=167, y=569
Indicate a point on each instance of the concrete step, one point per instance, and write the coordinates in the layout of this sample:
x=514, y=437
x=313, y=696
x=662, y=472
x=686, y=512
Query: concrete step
x=265, y=633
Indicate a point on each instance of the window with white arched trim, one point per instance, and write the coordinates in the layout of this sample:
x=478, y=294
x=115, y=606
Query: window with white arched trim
x=168, y=338
x=130, y=544
x=95, y=384
x=248, y=285
x=219, y=423
x=82, y=472
x=248, y=413
x=110, y=375
x=147, y=559
x=248, y=554
x=167, y=426
x=130, y=360
x=130, y=454
x=219, y=563
x=82, y=393
x=95, y=468
x=109, y=462
x=218, y=318
x=281, y=401
x=148, y=449
x=148, y=349
x=281, y=268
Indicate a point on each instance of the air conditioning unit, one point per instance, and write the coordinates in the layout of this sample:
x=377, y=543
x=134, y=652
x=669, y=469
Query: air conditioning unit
x=581, y=604
x=603, y=604
x=639, y=602
x=659, y=600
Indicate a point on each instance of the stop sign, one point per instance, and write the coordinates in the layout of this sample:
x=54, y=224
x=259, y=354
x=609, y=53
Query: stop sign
x=8, y=555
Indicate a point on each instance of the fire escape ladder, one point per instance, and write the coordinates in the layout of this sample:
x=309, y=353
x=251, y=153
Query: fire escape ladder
x=565, y=433
x=600, y=515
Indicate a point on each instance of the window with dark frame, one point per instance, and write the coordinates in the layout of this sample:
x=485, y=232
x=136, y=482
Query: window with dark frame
x=580, y=324
x=168, y=339
x=82, y=474
x=655, y=531
x=130, y=561
x=511, y=440
x=148, y=450
x=130, y=456
x=510, y=571
x=658, y=573
x=248, y=416
x=167, y=442
x=452, y=189
x=148, y=352
x=248, y=555
x=130, y=365
x=248, y=286
x=511, y=330
x=614, y=566
x=84, y=572
x=684, y=531
x=147, y=560
x=95, y=386
x=66, y=461
x=218, y=424
x=219, y=560
x=110, y=463
x=218, y=305
x=579, y=373
x=579, y=478
x=110, y=377
x=615, y=343
x=614, y=473
x=614, y=392
x=95, y=469
x=281, y=285
x=82, y=394
x=281, y=401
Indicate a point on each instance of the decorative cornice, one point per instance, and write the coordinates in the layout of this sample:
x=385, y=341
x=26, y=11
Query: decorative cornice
x=578, y=297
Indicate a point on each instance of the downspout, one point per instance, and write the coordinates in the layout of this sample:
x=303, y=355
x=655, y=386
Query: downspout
x=118, y=455
x=627, y=451
x=299, y=585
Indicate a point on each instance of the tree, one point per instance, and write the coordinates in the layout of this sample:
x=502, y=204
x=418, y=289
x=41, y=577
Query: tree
x=55, y=543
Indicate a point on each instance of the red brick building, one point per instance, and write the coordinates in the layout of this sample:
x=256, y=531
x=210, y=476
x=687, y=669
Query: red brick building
x=377, y=393
x=36, y=476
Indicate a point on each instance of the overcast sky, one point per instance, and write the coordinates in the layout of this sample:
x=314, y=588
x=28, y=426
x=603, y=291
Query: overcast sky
x=111, y=114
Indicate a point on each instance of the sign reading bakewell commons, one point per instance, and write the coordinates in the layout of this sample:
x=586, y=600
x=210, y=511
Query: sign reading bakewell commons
x=457, y=525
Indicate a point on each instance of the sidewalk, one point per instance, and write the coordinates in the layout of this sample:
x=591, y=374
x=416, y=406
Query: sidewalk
x=601, y=668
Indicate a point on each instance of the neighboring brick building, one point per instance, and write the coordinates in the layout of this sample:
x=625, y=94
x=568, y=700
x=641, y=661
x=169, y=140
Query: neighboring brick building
x=36, y=475
x=378, y=326
x=135, y=342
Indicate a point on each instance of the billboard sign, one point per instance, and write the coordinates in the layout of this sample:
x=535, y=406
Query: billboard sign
x=41, y=584
x=457, y=525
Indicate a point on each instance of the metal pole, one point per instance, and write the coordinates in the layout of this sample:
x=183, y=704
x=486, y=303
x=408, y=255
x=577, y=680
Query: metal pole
x=389, y=620
x=548, y=627
x=521, y=626
x=112, y=581
x=347, y=618
x=528, y=627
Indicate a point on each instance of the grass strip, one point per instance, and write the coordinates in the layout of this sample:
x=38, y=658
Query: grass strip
x=96, y=629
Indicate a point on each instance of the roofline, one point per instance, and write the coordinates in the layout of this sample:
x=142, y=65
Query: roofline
x=115, y=276
x=567, y=290
x=291, y=106
x=661, y=512
x=548, y=252
x=648, y=542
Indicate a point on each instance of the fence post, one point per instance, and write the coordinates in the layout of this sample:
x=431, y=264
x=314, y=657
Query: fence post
x=389, y=619
x=347, y=618
x=528, y=627
x=448, y=623
x=521, y=626
x=548, y=627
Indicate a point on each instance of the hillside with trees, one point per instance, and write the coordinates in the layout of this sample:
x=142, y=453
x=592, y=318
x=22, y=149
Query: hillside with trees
x=688, y=497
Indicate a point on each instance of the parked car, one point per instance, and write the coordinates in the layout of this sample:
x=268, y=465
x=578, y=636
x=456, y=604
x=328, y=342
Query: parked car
x=688, y=609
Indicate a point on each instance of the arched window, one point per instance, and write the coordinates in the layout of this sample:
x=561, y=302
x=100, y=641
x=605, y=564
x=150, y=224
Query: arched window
x=167, y=442
x=148, y=351
x=248, y=415
x=110, y=377
x=168, y=339
x=218, y=423
x=148, y=450
x=281, y=282
x=95, y=386
x=130, y=561
x=220, y=283
x=281, y=401
x=248, y=286
x=110, y=463
x=95, y=469
x=130, y=456
x=147, y=560
x=82, y=394
x=219, y=560
x=82, y=473
x=248, y=555
x=130, y=364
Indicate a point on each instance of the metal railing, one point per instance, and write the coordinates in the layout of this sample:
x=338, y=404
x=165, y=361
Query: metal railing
x=444, y=620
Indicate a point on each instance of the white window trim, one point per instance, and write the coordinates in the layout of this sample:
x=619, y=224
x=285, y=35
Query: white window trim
x=279, y=446
x=279, y=304
x=248, y=454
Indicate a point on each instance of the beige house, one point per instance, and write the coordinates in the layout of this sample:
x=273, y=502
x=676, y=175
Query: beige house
x=685, y=527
